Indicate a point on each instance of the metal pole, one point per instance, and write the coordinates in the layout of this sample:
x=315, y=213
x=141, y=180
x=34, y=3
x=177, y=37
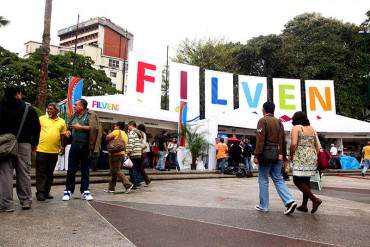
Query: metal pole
x=124, y=62
x=74, y=58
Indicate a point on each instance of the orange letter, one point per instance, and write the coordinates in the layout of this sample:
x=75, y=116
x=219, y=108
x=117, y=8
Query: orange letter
x=313, y=91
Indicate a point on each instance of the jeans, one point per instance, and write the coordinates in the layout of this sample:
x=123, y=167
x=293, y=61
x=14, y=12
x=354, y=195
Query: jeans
x=366, y=166
x=134, y=176
x=274, y=170
x=78, y=155
x=221, y=164
x=248, y=164
x=161, y=160
x=172, y=159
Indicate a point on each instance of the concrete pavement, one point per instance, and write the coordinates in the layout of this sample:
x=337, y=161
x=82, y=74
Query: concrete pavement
x=207, y=212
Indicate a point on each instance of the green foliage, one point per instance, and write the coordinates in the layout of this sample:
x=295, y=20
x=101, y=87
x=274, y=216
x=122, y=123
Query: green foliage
x=196, y=143
x=25, y=72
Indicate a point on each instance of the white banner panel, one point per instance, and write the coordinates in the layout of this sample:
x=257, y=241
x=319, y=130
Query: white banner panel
x=252, y=93
x=320, y=98
x=218, y=93
x=144, y=80
x=287, y=97
x=184, y=86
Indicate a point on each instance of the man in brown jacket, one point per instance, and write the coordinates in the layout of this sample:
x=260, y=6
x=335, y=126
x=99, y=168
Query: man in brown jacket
x=270, y=149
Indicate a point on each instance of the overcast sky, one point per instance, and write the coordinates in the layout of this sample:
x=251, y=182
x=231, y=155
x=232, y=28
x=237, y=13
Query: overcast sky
x=158, y=23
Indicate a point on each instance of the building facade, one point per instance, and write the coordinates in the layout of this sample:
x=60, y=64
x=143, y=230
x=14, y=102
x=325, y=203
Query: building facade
x=106, y=43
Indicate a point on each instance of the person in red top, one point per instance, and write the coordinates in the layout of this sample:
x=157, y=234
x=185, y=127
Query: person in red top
x=221, y=154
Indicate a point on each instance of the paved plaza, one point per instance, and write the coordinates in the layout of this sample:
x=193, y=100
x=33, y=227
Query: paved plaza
x=200, y=212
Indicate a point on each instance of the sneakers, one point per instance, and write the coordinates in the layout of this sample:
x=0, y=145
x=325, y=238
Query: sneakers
x=258, y=208
x=128, y=189
x=7, y=210
x=109, y=191
x=290, y=208
x=86, y=195
x=67, y=195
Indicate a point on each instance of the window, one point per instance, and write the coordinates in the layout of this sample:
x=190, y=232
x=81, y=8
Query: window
x=113, y=74
x=113, y=63
x=114, y=84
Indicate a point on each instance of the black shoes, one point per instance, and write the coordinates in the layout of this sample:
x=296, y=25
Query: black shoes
x=290, y=208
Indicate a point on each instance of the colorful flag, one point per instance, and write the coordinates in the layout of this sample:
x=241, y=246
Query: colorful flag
x=74, y=93
x=182, y=122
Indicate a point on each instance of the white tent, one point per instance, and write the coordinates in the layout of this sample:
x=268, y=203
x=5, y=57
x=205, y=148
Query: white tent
x=331, y=125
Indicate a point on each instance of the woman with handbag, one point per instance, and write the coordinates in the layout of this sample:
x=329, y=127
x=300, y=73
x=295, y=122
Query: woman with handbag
x=304, y=148
x=116, y=148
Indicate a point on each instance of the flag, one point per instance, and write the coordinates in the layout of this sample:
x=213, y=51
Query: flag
x=74, y=93
x=182, y=122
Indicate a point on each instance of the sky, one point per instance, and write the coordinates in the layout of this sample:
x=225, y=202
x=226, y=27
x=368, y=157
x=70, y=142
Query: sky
x=158, y=23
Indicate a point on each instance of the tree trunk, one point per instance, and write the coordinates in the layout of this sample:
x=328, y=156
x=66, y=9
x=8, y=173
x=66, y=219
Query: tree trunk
x=193, y=162
x=45, y=50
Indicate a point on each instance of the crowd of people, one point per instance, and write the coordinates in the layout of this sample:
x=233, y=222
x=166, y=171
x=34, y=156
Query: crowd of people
x=128, y=147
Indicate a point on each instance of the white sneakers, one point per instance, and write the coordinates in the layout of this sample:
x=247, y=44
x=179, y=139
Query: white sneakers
x=86, y=195
x=67, y=195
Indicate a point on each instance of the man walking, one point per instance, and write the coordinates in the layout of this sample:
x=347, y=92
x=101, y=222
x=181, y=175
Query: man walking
x=53, y=130
x=134, y=151
x=13, y=109
x=83, y=127
x=366, y=158
x=269, y=155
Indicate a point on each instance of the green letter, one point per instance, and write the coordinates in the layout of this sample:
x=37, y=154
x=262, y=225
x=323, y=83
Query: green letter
x=283, y=97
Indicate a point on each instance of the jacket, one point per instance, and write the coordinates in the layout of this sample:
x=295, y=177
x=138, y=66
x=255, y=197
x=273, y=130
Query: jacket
x=95, y=133
x=11, y=113
x=270, y=130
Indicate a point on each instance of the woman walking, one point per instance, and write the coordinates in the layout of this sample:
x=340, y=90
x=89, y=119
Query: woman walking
x=303, y=153
x=116, y=159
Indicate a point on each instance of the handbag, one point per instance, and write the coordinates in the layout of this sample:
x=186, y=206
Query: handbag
x=323, y=156
x=270, y=153
x=127, y=163
x=8, y=142
x=116, y=145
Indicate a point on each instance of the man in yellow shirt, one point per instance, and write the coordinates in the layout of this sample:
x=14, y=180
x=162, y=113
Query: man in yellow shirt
x=366, y=158
x=221, y=154
x=53, y=130
x=116, y=159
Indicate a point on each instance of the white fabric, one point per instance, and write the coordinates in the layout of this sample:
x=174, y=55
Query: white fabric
x=333, y=151
x=62, y=163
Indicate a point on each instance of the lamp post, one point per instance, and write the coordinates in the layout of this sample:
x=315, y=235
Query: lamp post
x=124, y=62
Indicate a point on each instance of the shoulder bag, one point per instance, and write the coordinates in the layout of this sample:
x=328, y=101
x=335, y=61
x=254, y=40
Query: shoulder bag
x=323, y=156
x=116, y=145
x=9, y=142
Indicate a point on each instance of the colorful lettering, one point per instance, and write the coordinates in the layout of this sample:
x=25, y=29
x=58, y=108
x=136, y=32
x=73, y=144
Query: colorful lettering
x=105, y=105
x=283, y=96
x=142, y=77
x=253, y=103
x=314, y=92
x=215, y=99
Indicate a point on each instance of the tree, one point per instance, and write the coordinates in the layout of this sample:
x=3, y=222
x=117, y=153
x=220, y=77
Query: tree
x=41, y=97
x=315, y=47
x=24, y=72
x=3, y=21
